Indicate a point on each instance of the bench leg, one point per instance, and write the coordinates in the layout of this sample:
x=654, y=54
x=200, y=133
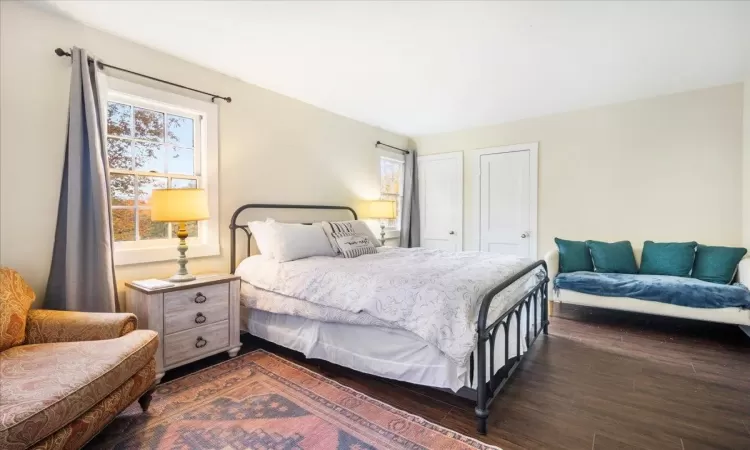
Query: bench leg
x=746, y=329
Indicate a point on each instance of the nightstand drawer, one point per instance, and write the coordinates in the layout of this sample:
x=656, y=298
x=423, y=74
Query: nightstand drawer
x=196, y=342
x=196, y=299
x=193, y=315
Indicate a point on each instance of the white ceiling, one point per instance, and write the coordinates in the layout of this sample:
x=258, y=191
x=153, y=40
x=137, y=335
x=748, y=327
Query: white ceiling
x=424, y=67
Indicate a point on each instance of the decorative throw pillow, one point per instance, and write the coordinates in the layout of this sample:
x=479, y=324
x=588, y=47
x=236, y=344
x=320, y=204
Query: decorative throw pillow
x=616, y=257
x=353, y=245
x=717, y=264
x=668, y=258
x=16, y=298
x=349, y=226
x=574, y=256
x=333, y=228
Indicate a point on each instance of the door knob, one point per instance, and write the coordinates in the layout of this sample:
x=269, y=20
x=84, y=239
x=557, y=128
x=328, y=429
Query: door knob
x=452, y=233
x=524, y=236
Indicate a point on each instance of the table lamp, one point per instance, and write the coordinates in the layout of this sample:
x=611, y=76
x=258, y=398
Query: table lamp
x=382, y=209
x=179, y=205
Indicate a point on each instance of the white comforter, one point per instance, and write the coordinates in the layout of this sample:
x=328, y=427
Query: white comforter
x=432, y=293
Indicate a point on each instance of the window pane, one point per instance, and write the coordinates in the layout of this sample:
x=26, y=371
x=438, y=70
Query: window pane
x=148, y=229
x=180, y=130
x=122, y=188
x=146, y=185
x=118, y=154
x=184, y=183
x=393, y=223
x=123, y=224
x=192, y=229
x=119, y=119
x=149, y=157
x=391, y=174
x=181, y=161
x=149, y=124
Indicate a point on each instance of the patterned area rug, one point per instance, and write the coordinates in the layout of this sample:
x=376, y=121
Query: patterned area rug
x=261, y=401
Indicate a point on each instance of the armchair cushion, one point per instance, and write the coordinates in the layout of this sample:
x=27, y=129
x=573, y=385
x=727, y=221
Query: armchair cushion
x=48, y=326
x=45, y=387
x=16, y=298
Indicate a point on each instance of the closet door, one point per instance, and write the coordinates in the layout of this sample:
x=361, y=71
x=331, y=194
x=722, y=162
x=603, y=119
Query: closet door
x=505, y=199
x=441, y=201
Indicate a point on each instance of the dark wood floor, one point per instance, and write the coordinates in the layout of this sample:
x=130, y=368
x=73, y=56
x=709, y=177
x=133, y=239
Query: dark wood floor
x=601, y=380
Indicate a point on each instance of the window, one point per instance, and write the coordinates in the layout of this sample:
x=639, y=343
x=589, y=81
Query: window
x=158, y=140
x=392, y=187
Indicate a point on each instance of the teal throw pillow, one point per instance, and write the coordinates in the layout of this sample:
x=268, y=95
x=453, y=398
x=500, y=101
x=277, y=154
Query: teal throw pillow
x=616, y=257
x=717, y=264
x=668, y=258
x=574, y=256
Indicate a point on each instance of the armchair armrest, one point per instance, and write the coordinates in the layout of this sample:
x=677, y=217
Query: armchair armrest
x=45, y=326
x=552, y=258
x=743, y=271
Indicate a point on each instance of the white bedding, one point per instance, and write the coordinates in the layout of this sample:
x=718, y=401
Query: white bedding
x=432, y=294
x=385, y=352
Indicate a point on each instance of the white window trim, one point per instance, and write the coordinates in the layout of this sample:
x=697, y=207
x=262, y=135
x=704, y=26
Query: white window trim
x=392, y=232
x=207, y=244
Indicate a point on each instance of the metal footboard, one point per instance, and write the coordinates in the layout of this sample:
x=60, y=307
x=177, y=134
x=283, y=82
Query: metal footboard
x=487, y=390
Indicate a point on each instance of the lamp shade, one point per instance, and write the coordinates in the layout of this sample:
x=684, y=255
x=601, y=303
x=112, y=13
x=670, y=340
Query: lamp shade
x=178, y=205
x=383, y=209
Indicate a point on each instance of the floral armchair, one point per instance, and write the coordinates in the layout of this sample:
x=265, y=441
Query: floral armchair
x=65, y=375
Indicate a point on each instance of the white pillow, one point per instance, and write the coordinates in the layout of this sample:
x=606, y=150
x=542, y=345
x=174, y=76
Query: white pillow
x=296, y=241
x=264, y=236
x=353, y=226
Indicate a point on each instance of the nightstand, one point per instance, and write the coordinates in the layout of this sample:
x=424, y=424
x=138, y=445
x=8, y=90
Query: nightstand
x=194, y=319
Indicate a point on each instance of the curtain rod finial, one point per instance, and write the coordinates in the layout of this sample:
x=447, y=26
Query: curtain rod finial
x=61, y=52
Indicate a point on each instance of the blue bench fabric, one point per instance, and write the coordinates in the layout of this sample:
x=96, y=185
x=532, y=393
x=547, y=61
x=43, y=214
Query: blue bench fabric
x=679, y=291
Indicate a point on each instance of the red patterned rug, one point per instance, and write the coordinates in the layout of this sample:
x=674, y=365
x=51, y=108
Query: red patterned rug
x=261, y=401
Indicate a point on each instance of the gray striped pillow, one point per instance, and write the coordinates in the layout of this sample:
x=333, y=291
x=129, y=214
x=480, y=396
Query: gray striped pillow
x=353, y=245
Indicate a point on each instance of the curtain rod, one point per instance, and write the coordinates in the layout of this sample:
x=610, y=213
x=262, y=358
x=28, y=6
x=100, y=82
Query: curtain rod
x=61, y=52
x=405, y=152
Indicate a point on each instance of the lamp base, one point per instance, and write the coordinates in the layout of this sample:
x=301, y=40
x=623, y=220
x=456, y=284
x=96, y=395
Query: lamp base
x=181, y=278
x=182, y=274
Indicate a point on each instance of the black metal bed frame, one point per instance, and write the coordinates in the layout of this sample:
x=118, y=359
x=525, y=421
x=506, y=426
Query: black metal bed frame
x=487, y=390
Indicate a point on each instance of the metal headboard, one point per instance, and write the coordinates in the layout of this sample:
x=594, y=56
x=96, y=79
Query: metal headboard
x=233, y=226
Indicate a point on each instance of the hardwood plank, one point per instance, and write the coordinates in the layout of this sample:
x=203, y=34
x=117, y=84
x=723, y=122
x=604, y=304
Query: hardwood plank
x=604, y=442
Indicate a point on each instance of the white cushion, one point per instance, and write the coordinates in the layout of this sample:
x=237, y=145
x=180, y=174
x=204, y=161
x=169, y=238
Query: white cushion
x=264, y=236
x=297, y=241
x=355, y=226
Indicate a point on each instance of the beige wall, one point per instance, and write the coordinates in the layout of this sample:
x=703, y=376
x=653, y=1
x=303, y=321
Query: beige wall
x=746, y=166
x=667, y=168
x=272, y=148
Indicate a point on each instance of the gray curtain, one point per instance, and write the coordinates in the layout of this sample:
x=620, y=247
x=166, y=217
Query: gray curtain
x=410, y=208
x=82, y=276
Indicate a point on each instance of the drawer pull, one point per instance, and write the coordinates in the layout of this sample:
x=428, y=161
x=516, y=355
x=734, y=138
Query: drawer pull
x=200, y=298
x=200, y=318
x=200, y=342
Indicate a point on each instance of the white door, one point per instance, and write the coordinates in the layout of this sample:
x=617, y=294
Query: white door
x=507, y=185
x=441, y=201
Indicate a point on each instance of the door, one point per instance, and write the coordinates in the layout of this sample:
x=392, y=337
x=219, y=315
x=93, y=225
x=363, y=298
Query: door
x=441, y=201
x=507, y=185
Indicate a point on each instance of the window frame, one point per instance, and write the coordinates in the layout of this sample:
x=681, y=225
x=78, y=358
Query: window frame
x=205, y=163
x=393, y=232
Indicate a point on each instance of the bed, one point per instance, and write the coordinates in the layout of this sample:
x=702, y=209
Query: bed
x=460, y=322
